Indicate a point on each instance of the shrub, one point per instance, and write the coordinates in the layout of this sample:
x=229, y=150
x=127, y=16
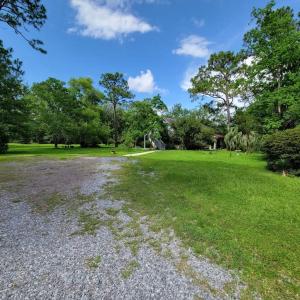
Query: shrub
x=236, y=140
x=283, y=151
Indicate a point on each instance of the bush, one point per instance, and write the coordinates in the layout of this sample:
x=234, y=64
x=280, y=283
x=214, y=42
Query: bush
x=283, y=151
x=236, y=140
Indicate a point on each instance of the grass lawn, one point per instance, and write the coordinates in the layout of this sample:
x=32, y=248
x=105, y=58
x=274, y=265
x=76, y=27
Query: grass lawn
x=231, y=209
x=19, y=151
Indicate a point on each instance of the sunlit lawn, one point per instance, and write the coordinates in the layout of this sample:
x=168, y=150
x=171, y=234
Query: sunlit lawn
x=19, y=151
x=231, y=209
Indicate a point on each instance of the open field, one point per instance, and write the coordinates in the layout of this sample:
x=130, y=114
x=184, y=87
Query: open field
x=19, y=151
x=230, y=209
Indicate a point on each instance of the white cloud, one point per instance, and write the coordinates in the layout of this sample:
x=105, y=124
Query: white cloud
x=106, y=19
x=143, y=83
x=188, y=75
x=193, y=45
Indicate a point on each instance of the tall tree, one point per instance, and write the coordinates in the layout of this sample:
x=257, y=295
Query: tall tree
x=55, y=110
x=274, y=75
x=11, y=90
x=188, y=129
x=143, y=119
x=117, y=92
x=88, y=117
x=18, y=14
x=222, y=80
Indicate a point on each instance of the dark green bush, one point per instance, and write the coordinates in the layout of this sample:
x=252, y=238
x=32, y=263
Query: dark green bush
x=283, y=151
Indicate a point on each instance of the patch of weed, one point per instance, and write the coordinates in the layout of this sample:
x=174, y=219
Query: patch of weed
x=112, y=211
x=93, y=262
x=89, y=223
x=129, y=269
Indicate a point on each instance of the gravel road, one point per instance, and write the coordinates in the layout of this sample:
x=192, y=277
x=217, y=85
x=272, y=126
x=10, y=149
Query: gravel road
x=62, y=237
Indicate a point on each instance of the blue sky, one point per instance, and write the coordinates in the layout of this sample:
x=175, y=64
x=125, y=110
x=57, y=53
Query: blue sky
x=157, y=44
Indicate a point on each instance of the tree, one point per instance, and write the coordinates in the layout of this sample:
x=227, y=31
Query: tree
x=11, y=90
x=143, y=119
x=222, y=79
x=17, y=14
x=88, y=116
x=55, y=110
x=274, y=75
x=117, y=92
x=188, y=129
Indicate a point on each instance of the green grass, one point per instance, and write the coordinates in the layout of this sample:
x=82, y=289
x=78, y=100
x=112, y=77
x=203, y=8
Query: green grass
x=230, y=209
x=129, y=269
x=20, y=151
x=93, y=262
x=89, y=223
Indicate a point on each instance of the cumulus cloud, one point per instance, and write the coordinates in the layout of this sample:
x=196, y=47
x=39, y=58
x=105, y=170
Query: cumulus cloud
x=193, y=45
x=188, y=75
x=106, y=19
x=143, y=83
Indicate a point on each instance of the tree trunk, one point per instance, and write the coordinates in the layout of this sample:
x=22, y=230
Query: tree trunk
x=228, y=116
x=279, y=109
x=115, y=125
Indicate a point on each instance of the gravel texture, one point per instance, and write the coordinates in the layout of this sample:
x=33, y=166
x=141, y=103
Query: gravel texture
x=45, y=252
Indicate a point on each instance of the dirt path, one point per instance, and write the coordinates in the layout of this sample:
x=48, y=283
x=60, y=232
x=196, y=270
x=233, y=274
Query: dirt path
x=61, y=237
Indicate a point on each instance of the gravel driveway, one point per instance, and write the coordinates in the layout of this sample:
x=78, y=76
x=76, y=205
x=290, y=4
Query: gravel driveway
x=62, y=237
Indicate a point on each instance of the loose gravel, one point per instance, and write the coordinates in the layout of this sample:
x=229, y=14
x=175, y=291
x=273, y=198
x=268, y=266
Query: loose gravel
x=43, y=256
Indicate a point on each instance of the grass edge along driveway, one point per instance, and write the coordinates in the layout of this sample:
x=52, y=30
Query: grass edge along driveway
x=230, y=209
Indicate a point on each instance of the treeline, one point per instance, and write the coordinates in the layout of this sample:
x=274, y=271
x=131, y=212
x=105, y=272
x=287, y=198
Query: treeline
x=78, y=113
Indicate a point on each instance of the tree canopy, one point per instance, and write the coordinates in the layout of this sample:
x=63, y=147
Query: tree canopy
x=18, y=14
x=222, y=79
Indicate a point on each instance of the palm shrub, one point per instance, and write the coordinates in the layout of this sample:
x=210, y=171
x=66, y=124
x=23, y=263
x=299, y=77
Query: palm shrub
x=236, y=140
x=233, y=139
x=250, y=142
x=282, y=150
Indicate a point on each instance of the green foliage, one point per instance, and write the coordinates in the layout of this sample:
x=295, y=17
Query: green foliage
x=54, y=109
x=283, y=151
x=17, y=14
x=12, y=106
x=189, y=129
x=221, y=80
x=142, y=119
x=117, y=92
x=67, y=115
x=273, y=77
x=236, y=140
x=88, y=115
x=233, y=139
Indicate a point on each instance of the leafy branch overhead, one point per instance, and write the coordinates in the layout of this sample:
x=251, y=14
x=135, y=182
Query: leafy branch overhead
x=18, y=14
